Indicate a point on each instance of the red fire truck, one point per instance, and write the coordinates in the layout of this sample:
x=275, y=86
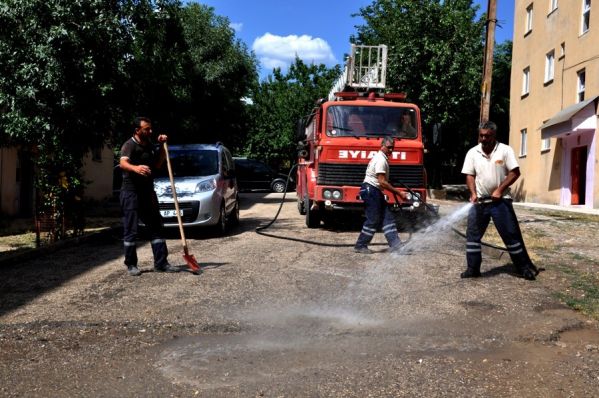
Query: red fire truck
x=344, y=132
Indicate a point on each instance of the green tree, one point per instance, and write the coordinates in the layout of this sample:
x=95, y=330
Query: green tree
x=222, y=72
x=187, y=72
x=278, y=103
x=435, y=56
x=500, y=90
x=155, y=59
x=61, y=62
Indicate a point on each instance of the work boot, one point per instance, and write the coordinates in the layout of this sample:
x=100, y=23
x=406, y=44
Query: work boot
x=401, y=248
x=470, y=273
x=132, y=270
x=528, y=274
x=166, y=268
x=363, y=250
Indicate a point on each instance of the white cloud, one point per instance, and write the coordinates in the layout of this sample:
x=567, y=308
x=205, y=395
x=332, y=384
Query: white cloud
x=236, y=26
x=280, y=51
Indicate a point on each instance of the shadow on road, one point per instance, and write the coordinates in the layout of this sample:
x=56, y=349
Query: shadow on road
x=25, y=280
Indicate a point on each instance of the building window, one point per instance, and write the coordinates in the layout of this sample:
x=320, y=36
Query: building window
x=552, y=5
x=580, y=81
x=528, y=26
x=545, y=144
x=523, y=142
x=549, y=66
x=526, y=81
x=586, y=15
x=562, y=50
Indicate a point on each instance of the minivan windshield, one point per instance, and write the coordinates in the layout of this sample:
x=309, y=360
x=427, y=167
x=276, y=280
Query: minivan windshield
x=360, y=121
x=192, y=163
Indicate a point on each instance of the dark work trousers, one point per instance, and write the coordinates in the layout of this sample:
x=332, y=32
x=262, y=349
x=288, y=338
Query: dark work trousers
x=147, y=211
x=503, y=216
x=377, y=213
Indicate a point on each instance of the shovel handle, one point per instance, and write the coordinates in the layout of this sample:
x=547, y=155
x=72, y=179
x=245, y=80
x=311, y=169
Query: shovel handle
x=172, y=179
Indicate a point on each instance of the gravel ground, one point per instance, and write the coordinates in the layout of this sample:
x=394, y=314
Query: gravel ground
x=297, y=313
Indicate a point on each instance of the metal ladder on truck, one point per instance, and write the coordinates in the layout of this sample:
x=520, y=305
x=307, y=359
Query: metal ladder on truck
x=365, y=69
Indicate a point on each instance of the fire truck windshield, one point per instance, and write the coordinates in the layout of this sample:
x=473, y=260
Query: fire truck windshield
x=362, y=121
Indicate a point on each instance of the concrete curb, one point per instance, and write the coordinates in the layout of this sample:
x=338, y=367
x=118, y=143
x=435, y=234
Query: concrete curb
x=571, y=209
x=24, y=255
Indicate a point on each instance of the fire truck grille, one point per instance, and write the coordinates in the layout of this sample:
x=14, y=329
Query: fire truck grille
x=353, y=174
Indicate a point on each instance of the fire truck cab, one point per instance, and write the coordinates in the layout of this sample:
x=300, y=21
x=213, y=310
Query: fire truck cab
x=342, y=134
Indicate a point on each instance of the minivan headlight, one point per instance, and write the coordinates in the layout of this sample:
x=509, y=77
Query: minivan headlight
x=206, y=186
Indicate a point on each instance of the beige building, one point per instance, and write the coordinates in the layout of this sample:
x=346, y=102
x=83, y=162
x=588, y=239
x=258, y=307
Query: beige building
x=553, y=101
x=17, y=193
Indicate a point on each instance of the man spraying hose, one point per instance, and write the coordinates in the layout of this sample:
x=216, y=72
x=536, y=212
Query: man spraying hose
x=371, y=192
x=490, y=169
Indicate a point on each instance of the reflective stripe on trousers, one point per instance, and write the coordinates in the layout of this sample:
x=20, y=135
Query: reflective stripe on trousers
x=377, y=213
x=503, y=216
x=148, y=212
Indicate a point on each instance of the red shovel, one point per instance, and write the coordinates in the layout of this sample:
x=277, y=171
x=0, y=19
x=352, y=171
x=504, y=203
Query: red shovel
x=192, y=264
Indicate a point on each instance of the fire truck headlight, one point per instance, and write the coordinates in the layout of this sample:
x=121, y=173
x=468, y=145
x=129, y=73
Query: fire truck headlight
x=337, y=195
x=416, y=204
x=409, y=196
x=327, y=194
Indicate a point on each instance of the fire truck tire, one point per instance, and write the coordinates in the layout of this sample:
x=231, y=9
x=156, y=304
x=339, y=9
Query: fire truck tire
x=300, y=207
x=313, y=217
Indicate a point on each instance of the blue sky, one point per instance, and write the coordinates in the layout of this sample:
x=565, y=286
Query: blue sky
x=316, y=30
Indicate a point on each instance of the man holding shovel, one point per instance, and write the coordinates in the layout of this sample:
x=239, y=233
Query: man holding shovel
x=490, y=169
x=138, y=199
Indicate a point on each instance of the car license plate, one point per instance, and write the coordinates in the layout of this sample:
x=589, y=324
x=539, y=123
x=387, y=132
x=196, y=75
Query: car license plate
x=170, y=213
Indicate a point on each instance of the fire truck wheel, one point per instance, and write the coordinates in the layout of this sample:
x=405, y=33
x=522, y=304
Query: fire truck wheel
x=312, y=216
x=300, y=207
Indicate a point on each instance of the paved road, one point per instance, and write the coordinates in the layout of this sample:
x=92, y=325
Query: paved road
x=296, y=313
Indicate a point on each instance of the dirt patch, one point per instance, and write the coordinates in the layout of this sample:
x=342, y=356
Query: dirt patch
x=298, y=313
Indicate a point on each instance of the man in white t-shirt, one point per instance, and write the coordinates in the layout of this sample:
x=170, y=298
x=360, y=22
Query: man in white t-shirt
x=371, y=192
x=490, y=168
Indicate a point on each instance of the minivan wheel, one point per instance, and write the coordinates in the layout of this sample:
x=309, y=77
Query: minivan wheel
x=278, y=186
x=221, y=226
x=234, y=217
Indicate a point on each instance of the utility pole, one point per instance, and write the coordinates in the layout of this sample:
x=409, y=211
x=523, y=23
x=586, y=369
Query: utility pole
x=485, y=101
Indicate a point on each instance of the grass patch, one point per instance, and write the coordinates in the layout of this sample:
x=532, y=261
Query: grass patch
x=19, y=235
x=566, y=216
x=583, y=292
x=580, y=257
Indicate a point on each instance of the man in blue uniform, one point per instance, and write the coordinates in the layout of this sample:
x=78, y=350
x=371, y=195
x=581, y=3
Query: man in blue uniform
x=490, y=169
x=371, y=192
x=139, y=157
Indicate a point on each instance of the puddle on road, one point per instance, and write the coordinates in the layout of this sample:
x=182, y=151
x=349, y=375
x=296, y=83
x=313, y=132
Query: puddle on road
x=308, y=342
x=298, y=344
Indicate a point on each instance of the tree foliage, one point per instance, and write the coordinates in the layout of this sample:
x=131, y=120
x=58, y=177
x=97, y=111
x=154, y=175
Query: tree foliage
x=435, y=56
x=76, y=72
x=61, y=61
x=187, y=71
x=500, y=90
x=222, y=72
x=278, y=103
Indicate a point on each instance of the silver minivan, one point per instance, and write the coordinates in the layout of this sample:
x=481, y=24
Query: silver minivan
x=206, y=187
